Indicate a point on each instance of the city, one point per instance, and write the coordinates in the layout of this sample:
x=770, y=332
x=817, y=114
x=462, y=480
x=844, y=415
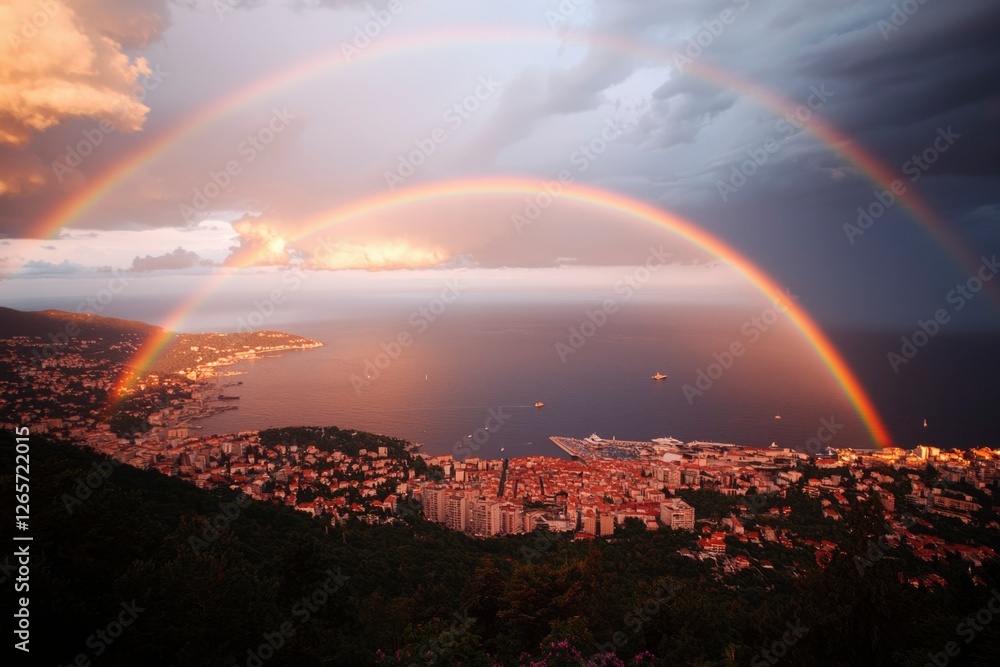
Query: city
x=608, y=485
x=572, y=333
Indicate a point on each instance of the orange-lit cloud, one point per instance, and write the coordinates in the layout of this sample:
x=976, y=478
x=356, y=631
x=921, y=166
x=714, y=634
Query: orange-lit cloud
x=374, y=256
x=260, y=244
x=263, y=242
x=63, y=63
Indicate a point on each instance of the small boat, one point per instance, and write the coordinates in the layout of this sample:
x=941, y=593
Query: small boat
x=539, y=404
x=659, y=376
x=777, y=416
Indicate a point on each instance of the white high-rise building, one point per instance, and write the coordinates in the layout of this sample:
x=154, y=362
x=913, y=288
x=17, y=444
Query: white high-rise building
x=677, y=514
x=484, y=517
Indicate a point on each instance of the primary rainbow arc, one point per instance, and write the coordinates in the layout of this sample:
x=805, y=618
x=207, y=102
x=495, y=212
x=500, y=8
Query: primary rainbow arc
x=585, y=195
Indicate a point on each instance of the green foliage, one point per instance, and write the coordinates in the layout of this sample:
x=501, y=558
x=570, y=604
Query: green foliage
x=710, y=504
x=421, y=594
x=124, y=424
x=333, y=439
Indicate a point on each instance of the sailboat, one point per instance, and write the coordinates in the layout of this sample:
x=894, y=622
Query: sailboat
x=925, y=423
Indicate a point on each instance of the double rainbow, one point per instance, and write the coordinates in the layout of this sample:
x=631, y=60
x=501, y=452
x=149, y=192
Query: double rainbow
x=584, y=195
x=96, y=190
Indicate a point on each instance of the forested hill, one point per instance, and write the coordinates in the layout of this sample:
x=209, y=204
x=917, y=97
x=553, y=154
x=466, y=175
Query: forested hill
x=42, y=323
x=271, y=586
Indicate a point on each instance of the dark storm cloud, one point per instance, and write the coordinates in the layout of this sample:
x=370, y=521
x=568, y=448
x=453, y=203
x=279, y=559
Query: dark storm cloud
x=897, y=79
x=682, y=106
x=538, y=94
x=939, y=68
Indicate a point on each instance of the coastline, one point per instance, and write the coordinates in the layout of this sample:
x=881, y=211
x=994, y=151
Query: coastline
x=205, y=377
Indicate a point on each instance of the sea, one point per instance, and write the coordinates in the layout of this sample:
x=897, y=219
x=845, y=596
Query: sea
x=464, y=379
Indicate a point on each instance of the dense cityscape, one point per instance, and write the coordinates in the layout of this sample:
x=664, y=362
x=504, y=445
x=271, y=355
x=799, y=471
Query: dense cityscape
x=344, y=475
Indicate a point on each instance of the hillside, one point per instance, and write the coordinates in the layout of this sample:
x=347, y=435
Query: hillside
x=327, y=595
x=44, y=322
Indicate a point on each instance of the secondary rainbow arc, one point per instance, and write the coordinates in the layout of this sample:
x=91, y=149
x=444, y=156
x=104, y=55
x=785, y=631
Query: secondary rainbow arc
x=868, y=164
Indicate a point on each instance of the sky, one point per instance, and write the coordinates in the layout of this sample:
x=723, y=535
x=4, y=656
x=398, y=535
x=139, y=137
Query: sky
x=845, y=148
